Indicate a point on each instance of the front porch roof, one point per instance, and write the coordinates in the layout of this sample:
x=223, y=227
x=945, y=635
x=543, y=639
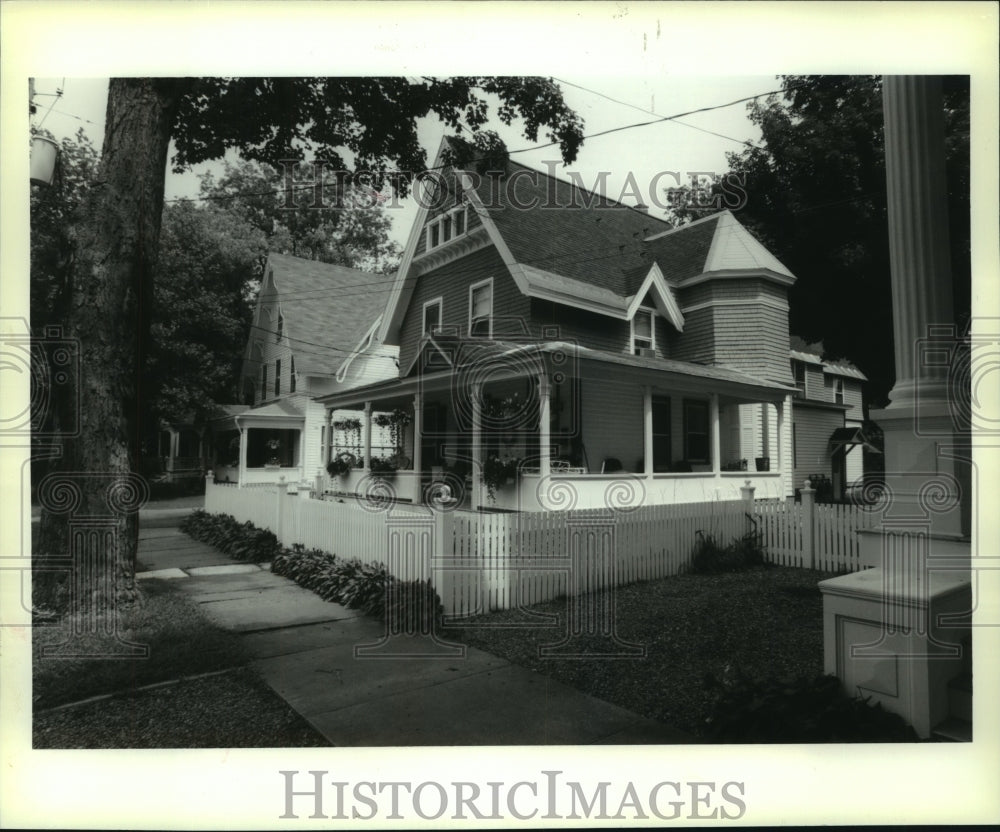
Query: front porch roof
x=276, y=414
x=516, y=356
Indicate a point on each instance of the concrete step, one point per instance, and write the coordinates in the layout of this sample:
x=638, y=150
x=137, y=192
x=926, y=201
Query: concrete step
x=953, y=730
x=960, y=697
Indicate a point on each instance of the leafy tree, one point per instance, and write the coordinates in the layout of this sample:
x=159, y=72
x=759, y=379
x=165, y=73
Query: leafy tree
x=307, y=215
x=208, y=259
x=367, y=124
x=817, y=199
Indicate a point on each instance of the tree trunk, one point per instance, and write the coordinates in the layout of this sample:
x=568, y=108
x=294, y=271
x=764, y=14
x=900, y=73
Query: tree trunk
x=90, y=502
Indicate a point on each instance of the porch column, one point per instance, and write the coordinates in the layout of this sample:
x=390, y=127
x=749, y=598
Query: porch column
x=713, y=418
x=784, y=445
x=477, y=450
x=368, y=436
x=544, y=426
x=244, y=440
x=418, y=431
x=647, y=432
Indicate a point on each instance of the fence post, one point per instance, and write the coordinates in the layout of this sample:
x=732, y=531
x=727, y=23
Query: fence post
x=279, y=515
x=747, y=492
x=209, y=484
x=808, y=525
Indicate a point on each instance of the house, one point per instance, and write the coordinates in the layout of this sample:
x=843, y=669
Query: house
x=559, y=349
x=314, y=332
x=828, y=440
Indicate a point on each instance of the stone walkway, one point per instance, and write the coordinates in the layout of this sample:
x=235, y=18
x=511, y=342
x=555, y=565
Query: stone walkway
x=336, y=668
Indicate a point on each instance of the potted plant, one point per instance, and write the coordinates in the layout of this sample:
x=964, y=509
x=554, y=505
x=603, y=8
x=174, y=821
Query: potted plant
x=273, y=445
x=341, y=465
x=382, y=465
x=497, y=472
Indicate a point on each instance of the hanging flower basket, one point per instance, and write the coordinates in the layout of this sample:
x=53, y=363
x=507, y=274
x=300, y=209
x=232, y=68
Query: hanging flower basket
x=341, y=465
x=44, y=153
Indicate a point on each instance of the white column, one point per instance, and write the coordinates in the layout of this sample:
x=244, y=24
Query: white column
x=713, y=418
x=418, y=432
x=477, y=449
x=784, y=444
x=244, y=439
x=368, y=436
x=647, y=432
x=544, y=426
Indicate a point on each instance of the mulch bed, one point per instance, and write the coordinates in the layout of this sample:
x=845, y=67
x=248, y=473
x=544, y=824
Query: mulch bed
x=766, y=621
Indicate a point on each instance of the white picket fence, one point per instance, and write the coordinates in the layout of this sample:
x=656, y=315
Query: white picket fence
x=821, y=537
x=480, y=562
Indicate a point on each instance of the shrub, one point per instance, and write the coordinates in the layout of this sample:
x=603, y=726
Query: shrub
x=242, y=541
x=804, y=710
x=709, y=557
x=410, y=605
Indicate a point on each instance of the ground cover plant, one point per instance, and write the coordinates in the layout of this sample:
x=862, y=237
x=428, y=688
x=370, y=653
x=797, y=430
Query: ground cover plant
x=241, y=541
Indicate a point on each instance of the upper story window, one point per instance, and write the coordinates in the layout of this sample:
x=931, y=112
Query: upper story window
x=643, y=332
x=432, y=316
x=263, y=382
x=799, y=371
x=447, y=226
x=838, y=390
x=281, y=327
x=481, y=308
x=277, y=377
x=291, y=374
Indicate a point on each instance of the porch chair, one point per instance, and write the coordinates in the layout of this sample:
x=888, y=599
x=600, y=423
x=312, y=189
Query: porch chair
x=611, y=465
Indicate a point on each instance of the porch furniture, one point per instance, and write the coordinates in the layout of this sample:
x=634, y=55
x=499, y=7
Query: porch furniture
x=611, y=465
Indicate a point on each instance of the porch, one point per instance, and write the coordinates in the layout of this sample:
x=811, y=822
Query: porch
x=554, y=426
x=253, y=446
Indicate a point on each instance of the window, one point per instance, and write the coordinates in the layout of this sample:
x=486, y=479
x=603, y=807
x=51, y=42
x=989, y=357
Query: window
x=291, y=375
x=799, y=371
x=696, y=431
x=643, y=331
x=432, y=316
x=481, y=309
x=277, y=377
x=447, y=226
x=838, y=390
x=263, y=382
x=661, y=434
x=281, y=327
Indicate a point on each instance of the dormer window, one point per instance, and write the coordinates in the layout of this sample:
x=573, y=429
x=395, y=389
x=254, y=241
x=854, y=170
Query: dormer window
x=481, y=309
x=643, y=332
x=446, y=227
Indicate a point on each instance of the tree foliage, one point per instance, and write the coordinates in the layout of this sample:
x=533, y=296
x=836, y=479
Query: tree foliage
x=816, y=197
x=303, y=213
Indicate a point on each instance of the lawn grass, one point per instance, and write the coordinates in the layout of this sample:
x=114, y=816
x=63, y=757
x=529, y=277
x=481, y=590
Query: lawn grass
x=231, y=709
x=767, y=621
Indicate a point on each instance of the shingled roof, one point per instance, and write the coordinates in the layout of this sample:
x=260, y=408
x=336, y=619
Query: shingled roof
x=330, y=307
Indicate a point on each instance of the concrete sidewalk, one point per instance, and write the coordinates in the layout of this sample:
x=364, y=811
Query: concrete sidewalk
x=358, y=688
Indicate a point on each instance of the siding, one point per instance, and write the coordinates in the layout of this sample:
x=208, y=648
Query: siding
x=578, y=326
x=612, y=422
x=853, y=398
x=451, y=282
x=812, y=436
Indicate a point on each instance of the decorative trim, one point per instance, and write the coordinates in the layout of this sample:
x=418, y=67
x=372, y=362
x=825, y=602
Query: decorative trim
x=670, y=311
x=736, y=274
x=763, y=300
x=472, y=241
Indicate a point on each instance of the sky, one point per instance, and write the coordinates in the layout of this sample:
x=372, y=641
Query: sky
x=695, y=143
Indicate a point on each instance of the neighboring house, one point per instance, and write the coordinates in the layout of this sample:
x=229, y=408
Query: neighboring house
x=179, y=453
x=557, y=348
x=827, y=417
x=314, y=332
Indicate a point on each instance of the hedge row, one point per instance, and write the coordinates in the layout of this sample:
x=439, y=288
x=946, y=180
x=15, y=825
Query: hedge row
x=242, y=541
x=409, y=606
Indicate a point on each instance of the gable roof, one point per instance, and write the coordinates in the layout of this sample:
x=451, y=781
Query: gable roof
x=564, y=243
x=327, y=309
